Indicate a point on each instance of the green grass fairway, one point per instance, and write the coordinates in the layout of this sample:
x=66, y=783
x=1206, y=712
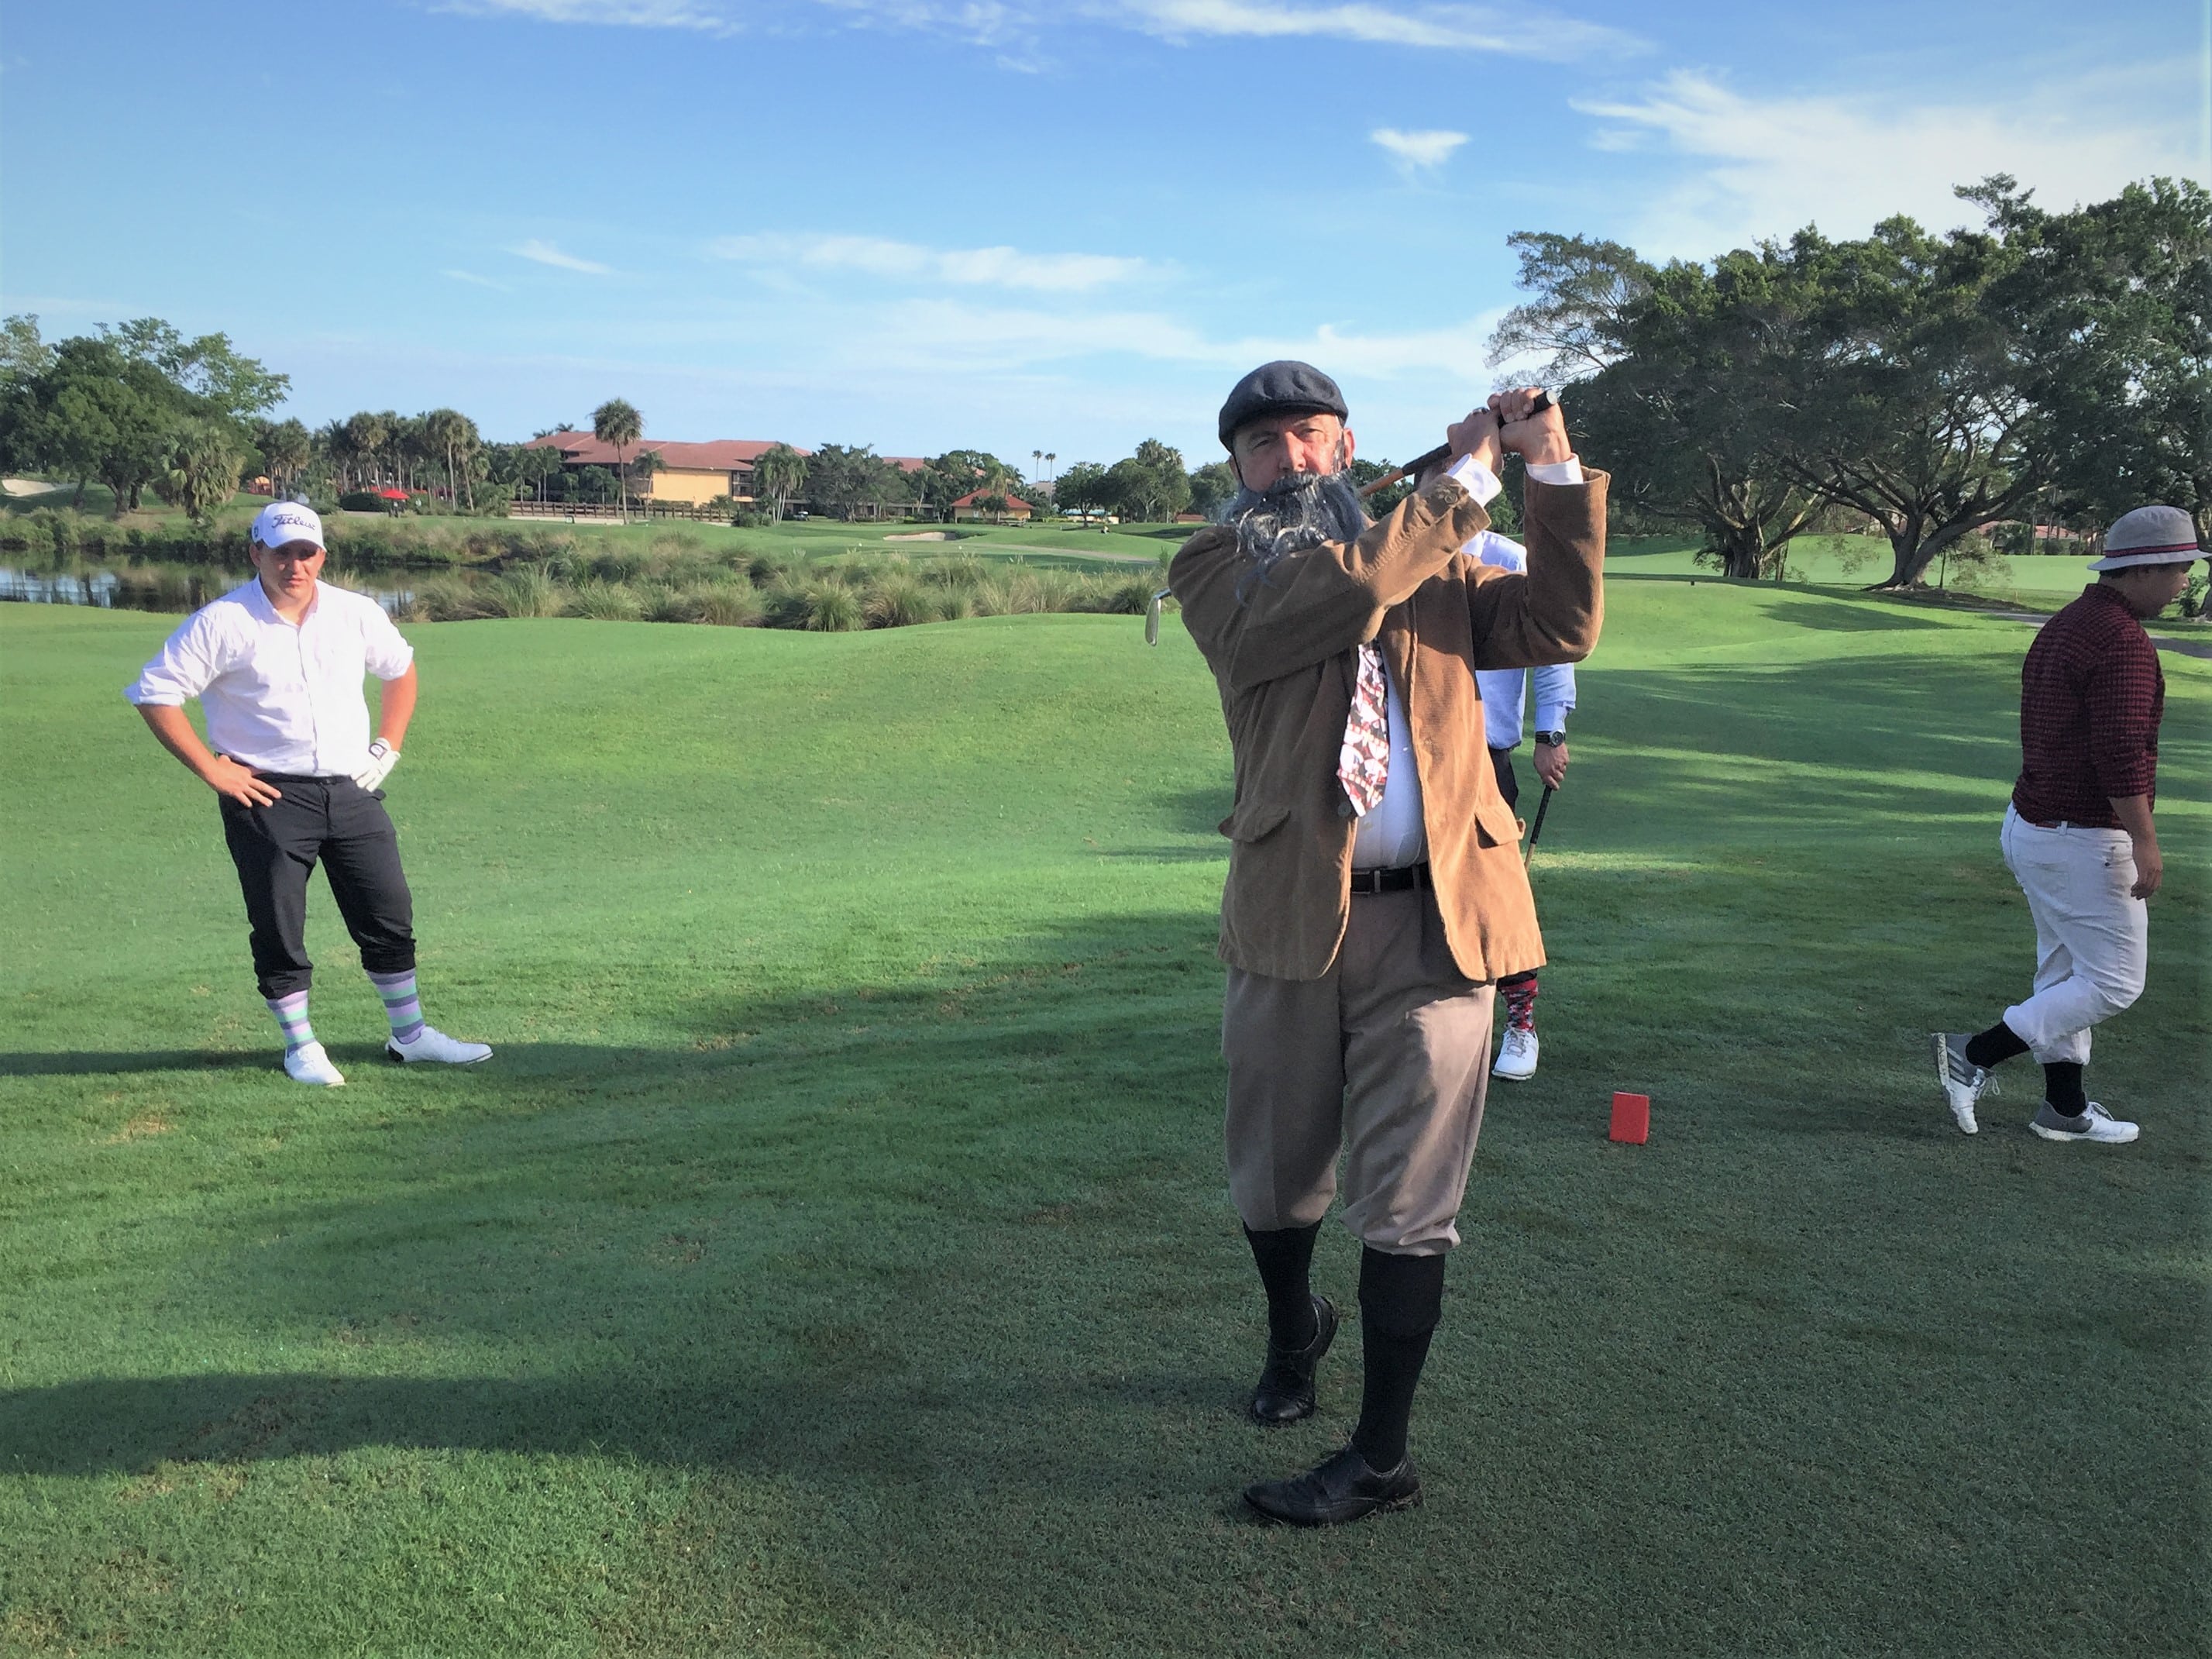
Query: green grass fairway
x=835, y=1257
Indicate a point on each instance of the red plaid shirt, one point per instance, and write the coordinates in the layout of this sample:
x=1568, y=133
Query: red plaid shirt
x=2091, y=696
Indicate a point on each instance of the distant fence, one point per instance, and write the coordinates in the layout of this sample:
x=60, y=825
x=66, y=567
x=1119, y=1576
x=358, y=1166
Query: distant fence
x=581, y=512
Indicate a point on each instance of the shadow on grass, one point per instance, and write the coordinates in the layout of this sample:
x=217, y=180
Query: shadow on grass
x=1834, y=617
x=82, y=1062
x=817, y=1424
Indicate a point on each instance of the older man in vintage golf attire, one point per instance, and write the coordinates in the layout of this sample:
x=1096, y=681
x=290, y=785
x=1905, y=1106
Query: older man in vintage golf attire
x=1374, y=891
x=2078, y=835
x=277, y=665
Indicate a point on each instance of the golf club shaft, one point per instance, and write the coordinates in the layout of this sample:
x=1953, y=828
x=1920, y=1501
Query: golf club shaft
x=1537, y=828
x=1428, y=458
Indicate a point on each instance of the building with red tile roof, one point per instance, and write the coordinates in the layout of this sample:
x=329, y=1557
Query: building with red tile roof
x=692, y=472
x=970, y=506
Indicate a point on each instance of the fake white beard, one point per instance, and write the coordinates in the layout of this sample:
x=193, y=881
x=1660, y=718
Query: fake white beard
x=1296, y=511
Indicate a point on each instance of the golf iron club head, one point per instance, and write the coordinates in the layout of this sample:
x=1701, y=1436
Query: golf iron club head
x=1153, y=618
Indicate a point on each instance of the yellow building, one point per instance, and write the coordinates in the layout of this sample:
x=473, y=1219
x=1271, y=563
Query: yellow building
x=692, y=472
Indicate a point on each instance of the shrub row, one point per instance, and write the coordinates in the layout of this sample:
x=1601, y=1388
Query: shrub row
x=384, y=543
x=895, y=595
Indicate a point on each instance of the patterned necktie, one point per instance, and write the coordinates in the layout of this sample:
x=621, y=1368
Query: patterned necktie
x=1363, y=764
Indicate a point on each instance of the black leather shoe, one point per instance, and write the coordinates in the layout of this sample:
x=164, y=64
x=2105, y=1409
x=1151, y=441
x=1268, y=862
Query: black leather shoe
x=1342, y=1489
x=1284, y=1392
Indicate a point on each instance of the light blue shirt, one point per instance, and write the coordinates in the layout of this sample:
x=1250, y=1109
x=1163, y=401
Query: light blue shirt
x=1392, y=833
x=1505, y=690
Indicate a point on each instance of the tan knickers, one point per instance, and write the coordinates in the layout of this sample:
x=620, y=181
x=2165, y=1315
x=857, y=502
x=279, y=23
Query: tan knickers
x=1385, y=1057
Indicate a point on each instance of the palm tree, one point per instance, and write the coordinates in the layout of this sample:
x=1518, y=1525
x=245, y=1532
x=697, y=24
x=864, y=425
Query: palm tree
x=332, y=447
x=410, y=448
x=455, y=433
x=202, y=472
x=285, y=449
x=779, y=473
x=617, y=423
x=367, y=436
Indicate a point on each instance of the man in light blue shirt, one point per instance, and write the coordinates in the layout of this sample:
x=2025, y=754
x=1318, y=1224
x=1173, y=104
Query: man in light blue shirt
x=1504, y=695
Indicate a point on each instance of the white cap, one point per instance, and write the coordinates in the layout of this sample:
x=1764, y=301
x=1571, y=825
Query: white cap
x=280, y=523
x=2149, y=535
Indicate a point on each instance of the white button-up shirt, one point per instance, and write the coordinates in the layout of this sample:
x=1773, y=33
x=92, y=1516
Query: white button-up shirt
x=280, y=698
x=1393, y=833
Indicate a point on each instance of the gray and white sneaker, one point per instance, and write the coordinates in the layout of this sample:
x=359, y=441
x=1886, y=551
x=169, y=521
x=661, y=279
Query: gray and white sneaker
x=432, y=1044
x=308, y=1063
x=1516, y=1054
x=1963, y=1082
x=2094, y=1124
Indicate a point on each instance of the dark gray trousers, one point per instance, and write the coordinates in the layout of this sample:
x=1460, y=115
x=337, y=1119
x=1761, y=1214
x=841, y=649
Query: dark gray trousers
x=276, y=848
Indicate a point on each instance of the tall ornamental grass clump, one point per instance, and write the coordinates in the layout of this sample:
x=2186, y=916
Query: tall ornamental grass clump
x=605, y=601
x=731, y=604
x=525, y=590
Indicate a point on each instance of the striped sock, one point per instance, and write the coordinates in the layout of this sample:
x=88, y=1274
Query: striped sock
x=292, y=1018
x=401, y=1005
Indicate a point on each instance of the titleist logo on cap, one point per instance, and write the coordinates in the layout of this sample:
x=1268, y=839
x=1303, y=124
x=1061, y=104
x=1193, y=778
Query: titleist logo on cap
x=282, y=522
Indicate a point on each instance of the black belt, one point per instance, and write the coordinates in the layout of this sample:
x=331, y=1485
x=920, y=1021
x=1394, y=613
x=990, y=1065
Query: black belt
x=1393, y=881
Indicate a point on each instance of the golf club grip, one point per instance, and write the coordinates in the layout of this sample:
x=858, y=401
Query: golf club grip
x=1542, y=807
x=1428, y=458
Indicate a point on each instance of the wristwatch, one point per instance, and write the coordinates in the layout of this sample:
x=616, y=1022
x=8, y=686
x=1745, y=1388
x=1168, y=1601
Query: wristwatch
x=1552, y=739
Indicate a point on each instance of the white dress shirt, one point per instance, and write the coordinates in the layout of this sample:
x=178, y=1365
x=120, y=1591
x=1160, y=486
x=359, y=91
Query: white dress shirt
x=1392, y=833
x=280, y=698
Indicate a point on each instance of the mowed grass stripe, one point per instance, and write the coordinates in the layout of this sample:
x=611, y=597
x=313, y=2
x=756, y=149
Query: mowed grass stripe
x=835, y=1257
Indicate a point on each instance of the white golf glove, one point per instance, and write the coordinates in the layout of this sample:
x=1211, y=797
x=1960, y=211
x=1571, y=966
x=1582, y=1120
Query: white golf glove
x=382, y=757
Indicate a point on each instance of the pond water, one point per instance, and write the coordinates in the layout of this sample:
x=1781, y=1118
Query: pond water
x=173, y=589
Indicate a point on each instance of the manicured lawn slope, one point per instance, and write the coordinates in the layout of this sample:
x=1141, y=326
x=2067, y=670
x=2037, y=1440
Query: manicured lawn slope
x=835, y=1258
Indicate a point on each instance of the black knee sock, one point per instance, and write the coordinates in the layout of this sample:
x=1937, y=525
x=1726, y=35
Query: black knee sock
x=2062, y=1087
x=1987, y=1048
x=1400, y=1299
x=1285, y=1257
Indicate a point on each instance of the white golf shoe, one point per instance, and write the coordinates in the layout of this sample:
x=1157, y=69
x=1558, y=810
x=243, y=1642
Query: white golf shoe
x=1963, y=1082
x=309, y=1064
x=1516, y=1056
x=2094, y=1124
x=432, y=1044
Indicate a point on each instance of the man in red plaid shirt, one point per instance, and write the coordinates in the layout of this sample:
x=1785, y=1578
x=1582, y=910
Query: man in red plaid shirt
x=2078, y=835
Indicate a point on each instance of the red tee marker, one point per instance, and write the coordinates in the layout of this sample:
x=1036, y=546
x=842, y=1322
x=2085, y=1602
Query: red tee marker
x=1631, y=1118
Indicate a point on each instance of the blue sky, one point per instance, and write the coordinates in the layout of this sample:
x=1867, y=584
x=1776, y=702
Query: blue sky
x=988, y=223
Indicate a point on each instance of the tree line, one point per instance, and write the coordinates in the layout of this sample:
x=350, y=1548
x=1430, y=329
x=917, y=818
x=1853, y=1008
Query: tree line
x=2042, y=367
x=136, y=406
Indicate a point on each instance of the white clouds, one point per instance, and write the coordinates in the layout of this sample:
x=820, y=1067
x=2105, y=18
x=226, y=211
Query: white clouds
x=1766, y=165
x=546, y=254
x=950, y=335
x=470, y=276
x=991, y=267
x=1419, y=150
x=706, y=15
x=1020, y=26
x=1437, y=28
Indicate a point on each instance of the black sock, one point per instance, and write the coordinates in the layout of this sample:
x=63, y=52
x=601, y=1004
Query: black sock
x=1998, y=1043
x=1285, y=1257
x=2062, y=1087
x=1400, y=1299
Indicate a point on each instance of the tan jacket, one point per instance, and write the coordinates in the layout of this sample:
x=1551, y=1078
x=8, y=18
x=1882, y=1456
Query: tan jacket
x=1285, y=661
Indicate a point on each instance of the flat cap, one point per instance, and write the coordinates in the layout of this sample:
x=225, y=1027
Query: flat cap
x=1286, y=387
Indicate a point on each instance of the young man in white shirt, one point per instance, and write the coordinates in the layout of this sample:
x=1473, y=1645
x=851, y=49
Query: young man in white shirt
x=1504, y=695
x=277, y=666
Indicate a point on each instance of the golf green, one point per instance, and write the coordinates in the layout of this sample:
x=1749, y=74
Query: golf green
x=835, y=1257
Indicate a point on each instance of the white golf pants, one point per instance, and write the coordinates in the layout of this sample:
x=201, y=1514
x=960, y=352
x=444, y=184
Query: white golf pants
x=2092, y=934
